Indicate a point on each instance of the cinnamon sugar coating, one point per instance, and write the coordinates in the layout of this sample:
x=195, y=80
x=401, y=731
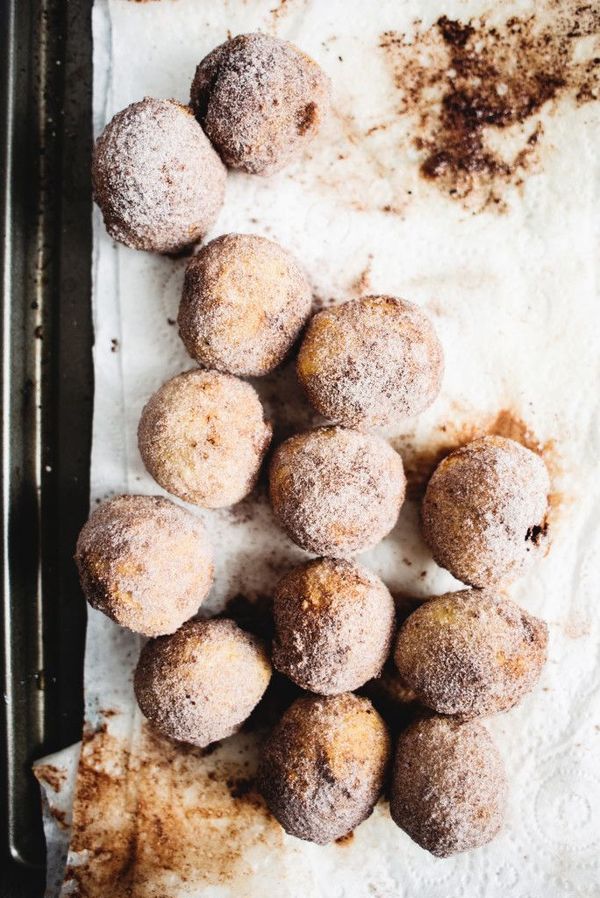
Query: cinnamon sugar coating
x=336, y=491
x=260, y=100
x=244, y=301
x=471, y=653
x=200, y=684
x=449, y=785
x=157, y=180
x=334, y=623
x=202, y=436
x=144, y=562
x=484, y=511
x=323, y=766
x=371, y=362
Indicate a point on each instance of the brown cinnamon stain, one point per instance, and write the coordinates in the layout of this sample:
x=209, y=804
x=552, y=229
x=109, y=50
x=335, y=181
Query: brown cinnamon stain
x=244, y=789
x=345, y=840
x=419, y=464
x=60, y=817
x=307, y=118
x=363, y=178
x=362, y=282
x=576, y=627
x=151, y=814
x=475, y=89
x=53, y=776
x=285, y=6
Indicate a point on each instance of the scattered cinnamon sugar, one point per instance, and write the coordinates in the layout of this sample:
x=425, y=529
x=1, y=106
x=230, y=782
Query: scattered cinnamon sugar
x=362, y=283
x=244, y=789
x=465, y=82
x=61, y=818
x=54, y=776
x=279, y=9
x=345, y=840
x=419, y=464
x=161, y=813
x=284, y=6
x=323, y=302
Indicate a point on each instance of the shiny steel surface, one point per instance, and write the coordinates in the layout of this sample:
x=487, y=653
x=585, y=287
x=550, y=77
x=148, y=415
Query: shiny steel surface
x=46, y=398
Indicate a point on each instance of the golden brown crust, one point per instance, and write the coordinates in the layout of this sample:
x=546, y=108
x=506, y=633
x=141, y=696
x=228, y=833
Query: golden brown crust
x=144, y=562
x=324, y=765
x=244, y=302
x=200, y=684
x=336, y=491
x=471, y=653
x=202, y=436
x=449, y=785
x=334, y=623
x=259, y=100
x=157, y=180
x=371, y=362
x=484, y=511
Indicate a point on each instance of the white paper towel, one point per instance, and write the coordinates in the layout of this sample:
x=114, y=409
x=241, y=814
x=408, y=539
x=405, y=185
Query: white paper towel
x=512, y=289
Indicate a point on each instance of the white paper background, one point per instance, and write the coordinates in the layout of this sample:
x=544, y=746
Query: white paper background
x=514, y=300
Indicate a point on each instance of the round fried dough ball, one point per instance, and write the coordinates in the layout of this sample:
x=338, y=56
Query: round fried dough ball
x=323, y=767
x=449, y=786
x=336, y=491
x=144, y=562
x=202, y=436
x=200, y=684
x=334, y=623
x=260, y=101
x=471, y=653
x=157, y=180
x=371, y=362
x=484, y=511
x=244, y=302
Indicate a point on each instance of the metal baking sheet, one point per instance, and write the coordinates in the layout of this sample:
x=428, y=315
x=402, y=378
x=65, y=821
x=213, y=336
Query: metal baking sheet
x=47, y=390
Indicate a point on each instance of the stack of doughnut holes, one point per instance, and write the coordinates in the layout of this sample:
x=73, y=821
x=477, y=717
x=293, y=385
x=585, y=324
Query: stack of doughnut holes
x=159, y=175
